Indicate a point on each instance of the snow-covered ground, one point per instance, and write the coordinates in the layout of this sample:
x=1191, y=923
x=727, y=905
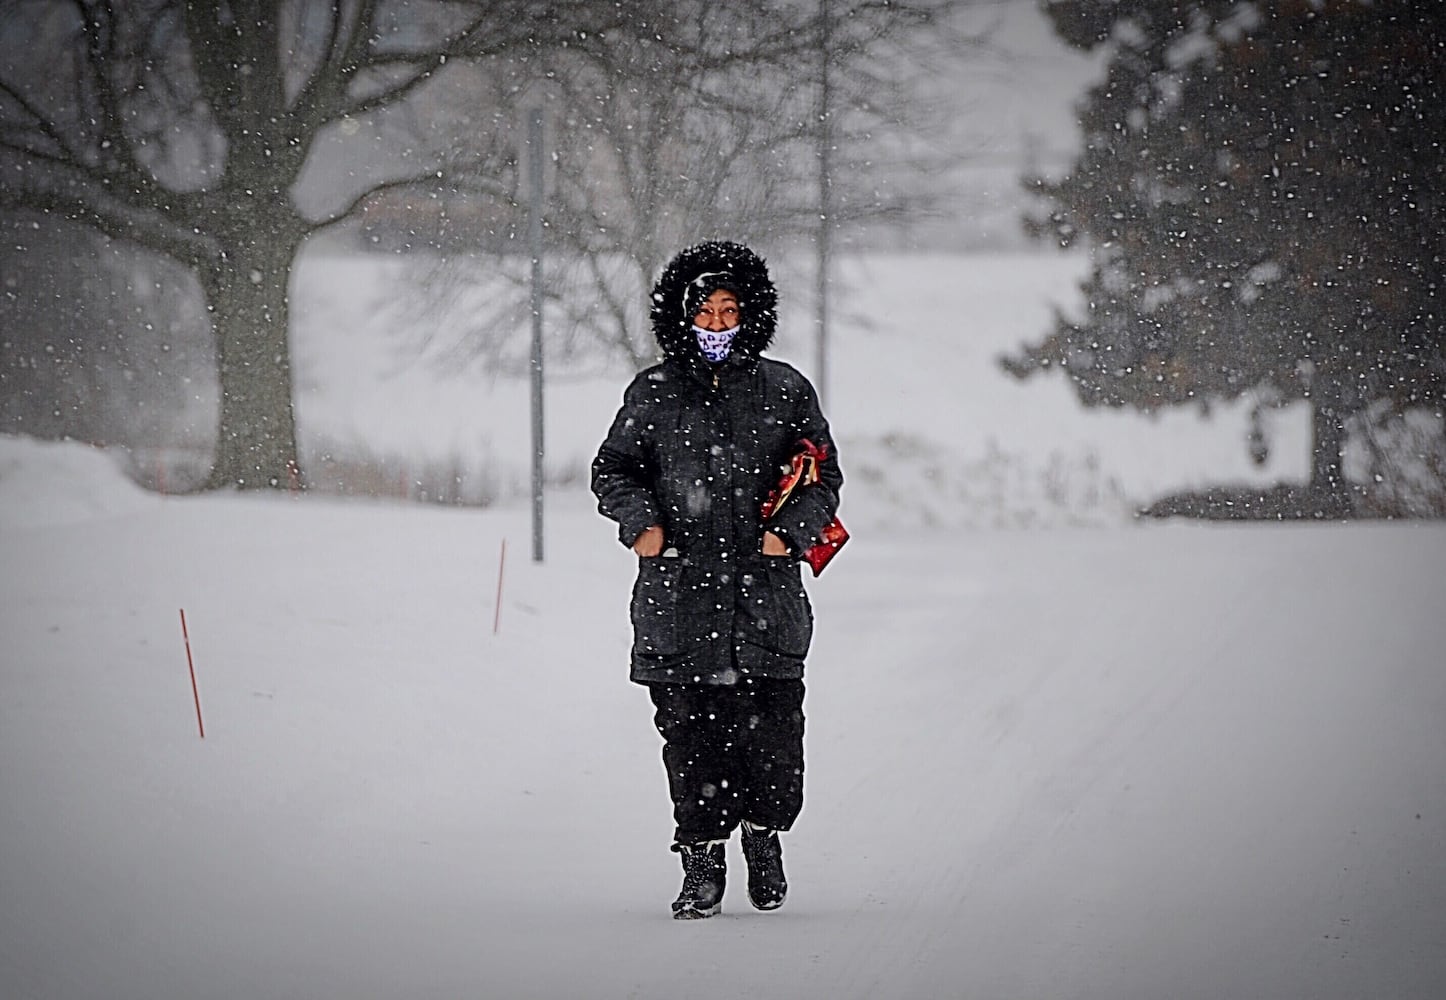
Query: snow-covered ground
x=1138, y=761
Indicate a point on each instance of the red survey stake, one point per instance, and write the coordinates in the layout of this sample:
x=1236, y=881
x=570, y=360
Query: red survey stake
x=195, y=692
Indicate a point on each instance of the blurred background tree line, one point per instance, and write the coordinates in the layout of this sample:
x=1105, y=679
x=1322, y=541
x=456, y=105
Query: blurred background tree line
x=1259, y=189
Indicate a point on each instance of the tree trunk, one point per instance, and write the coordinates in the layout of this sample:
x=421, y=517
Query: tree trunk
x=256, y=440
x=1329, y=491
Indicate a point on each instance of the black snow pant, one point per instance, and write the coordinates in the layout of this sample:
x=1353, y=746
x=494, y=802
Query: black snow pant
x=732, y=752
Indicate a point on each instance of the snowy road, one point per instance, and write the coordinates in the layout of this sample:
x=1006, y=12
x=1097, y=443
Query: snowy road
x=1159, y=761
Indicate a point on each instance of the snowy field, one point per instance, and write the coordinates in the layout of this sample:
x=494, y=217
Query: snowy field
x=1129, y=762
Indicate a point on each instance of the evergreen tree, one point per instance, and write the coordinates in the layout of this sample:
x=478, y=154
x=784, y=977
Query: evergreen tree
x=1261, y=188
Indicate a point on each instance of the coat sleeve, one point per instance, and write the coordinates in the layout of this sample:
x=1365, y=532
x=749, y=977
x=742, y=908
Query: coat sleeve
x=623, y=471
x=809, y=510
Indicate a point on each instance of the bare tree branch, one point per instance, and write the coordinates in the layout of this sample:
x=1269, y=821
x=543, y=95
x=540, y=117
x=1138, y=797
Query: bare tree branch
x=414, y=182
x=41, y=124
x=120, y=221
x=323, y=89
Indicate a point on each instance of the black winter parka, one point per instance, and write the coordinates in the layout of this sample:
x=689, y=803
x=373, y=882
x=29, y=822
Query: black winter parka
x=696, y=448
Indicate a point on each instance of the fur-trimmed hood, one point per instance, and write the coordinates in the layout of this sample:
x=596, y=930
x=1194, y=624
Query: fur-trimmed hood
x=696, y=273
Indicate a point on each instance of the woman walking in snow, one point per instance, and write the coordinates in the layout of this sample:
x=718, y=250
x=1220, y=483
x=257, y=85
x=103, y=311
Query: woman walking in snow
x=721, y=621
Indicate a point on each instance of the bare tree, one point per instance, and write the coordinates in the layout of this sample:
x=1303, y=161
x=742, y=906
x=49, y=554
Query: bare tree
x=690, y=120
x=188, y=128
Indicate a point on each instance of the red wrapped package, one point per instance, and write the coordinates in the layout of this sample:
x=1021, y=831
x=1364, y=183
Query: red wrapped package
x=803, y=471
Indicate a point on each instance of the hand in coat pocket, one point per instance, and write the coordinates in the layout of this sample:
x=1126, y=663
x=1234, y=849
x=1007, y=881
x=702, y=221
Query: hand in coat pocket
x=650, y=542
x=773, y=545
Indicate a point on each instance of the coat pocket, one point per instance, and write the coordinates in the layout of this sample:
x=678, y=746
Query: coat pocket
x=655, y=606
x=780, y=617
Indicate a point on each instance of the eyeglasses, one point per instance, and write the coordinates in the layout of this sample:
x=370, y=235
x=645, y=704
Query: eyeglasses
x=726, y=312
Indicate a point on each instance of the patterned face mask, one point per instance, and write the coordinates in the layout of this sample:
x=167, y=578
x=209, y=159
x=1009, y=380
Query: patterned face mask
x=715, y=344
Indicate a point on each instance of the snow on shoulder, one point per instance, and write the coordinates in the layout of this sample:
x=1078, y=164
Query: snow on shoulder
x=62, y=482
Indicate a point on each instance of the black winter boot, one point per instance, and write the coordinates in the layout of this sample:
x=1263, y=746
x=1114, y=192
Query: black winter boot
x=705, y=871
x=764, y=854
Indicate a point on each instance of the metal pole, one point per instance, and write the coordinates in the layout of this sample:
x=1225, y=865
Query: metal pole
x=534, y=232
x=825, y=200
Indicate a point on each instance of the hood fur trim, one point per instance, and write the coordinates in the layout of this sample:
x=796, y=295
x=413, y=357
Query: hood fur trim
x=746, y=276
